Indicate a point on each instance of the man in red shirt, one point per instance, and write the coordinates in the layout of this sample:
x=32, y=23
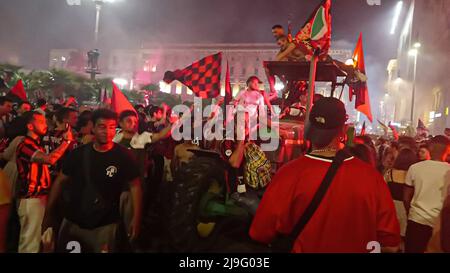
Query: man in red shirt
x=357, y=211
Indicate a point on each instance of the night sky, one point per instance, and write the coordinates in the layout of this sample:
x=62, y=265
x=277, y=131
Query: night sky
x=29, y=28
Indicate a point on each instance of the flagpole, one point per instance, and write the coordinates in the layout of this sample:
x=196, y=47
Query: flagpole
x=311, y=86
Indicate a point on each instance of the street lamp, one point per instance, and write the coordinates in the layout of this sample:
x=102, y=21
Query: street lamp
x=414, y=52
x=98, y=7
x=398, y=10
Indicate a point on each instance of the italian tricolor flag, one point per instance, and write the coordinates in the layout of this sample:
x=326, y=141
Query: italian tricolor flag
x=316, y=32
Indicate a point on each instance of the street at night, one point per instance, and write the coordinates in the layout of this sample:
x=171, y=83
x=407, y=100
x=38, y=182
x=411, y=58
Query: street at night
x=236, y=129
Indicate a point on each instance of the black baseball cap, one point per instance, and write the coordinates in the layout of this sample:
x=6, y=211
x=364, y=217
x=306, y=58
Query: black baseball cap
x=326, y=120
x=253, y=78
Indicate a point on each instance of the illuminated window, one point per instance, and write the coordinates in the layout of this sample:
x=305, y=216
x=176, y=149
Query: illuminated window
x=178, y=90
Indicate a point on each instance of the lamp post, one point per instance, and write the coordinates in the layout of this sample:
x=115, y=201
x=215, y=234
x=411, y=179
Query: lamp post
x=98, y=8
x=414, y=52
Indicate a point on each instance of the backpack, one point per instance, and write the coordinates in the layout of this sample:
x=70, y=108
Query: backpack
x=257, y=169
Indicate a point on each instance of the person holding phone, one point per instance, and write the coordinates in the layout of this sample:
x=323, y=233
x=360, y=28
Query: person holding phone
x=66, y=119
x=34, y=179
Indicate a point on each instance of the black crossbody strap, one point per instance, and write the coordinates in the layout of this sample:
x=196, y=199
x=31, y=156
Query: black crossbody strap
x=318, y=197
x=87, y=164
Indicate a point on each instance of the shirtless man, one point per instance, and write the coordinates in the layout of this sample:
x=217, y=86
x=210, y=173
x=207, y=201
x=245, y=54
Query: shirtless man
x=288, y=51
x=277, y=31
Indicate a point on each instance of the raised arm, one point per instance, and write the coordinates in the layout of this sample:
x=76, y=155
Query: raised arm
x=54, y=156
x=238, y=155
x=282, y=55
x=164, y=133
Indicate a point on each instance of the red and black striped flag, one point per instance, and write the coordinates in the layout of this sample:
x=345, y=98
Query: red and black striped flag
x=202, y=77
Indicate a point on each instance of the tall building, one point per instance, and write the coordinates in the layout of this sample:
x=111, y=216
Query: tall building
x=424, y=47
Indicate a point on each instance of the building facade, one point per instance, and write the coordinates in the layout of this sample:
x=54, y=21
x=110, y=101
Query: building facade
x=133, y=68
x=422, y=62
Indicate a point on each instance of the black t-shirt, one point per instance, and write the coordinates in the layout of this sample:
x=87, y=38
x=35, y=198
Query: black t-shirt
x=109, y=172
x=139, y=155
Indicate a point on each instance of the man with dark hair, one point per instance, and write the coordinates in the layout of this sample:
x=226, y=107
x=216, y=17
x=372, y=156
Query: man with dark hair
x=355, y=211
x=34, y=179
x=423, y=196
x=65, y=116
x=156, y=114
x=142, y=119
x=16, y=126
x=6, y=107
x=129, y=138
x=41, y=106
x=277, y=31
x=66, y=119
x=84, y=127
x=288, y=51
x=406, y=142
x=23, y=107
x=93, y=177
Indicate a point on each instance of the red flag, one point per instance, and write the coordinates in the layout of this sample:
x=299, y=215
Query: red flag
x=202, y=77
x=362, y=101
x=228, y=90
x=363, y=129
x=19, y=91
x=119, y=102
x=316, y=32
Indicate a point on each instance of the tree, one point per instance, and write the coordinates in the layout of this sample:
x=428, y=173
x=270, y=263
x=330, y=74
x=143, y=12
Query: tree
x=10, y=75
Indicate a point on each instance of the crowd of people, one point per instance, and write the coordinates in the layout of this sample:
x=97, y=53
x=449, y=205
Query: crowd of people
x=109, y=182
x=89, y=179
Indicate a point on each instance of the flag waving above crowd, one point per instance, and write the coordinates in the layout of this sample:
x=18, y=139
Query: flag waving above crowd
x=119, y=102
x=316, y=32
x=202, y=77
x=359, y=89
x=19, y=91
